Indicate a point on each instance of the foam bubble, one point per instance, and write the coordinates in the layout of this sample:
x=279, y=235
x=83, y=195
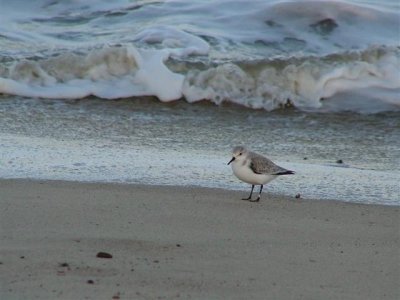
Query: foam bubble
x=177, y=42
x=156, y=78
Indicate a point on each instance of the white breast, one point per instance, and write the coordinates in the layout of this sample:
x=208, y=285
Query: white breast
x=244, y=173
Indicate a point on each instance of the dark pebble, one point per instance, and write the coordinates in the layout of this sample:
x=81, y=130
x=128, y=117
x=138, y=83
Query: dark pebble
x=22, y=257
x=64, y=265
x=178, y=245
x=90, y=281
x=116, y=296
x=104, y=255
x=339, y=161
x=298, y=196
x=305, y=158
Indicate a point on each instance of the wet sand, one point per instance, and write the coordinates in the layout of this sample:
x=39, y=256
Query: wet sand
x=190, y=243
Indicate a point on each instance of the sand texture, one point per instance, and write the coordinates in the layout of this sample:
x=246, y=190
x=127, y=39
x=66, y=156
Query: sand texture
x=190, y=243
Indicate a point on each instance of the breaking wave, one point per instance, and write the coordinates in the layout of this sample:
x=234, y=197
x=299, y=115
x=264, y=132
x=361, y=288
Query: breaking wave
x=122, y=72
x=272, y=54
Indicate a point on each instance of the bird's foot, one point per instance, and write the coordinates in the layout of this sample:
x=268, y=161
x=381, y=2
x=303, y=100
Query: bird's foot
x=255, y=200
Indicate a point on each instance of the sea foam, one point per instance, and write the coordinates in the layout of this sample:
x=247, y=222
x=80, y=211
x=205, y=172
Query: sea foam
x=109, y=73
x=121, y=72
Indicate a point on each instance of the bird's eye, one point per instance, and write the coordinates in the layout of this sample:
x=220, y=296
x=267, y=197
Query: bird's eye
x=240, y=153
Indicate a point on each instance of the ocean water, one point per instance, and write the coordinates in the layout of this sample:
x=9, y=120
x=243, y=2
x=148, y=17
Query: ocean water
x=159, y=92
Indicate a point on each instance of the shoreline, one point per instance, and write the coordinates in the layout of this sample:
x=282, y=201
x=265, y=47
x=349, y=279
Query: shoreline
x=171, y=242
x=66, y=144
x=241, y=192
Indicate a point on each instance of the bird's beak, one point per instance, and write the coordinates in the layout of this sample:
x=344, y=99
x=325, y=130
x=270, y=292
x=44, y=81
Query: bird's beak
x=233, y=158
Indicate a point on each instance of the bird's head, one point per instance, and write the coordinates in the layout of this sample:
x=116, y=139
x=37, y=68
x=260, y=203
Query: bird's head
x=238, y=154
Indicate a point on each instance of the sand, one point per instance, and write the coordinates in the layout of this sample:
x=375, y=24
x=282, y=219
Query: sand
x=190, y=243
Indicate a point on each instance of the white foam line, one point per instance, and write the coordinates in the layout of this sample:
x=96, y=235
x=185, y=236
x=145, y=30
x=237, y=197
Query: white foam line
x=105, y=161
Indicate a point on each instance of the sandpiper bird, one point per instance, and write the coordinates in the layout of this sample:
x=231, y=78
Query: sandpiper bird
x=255, y=169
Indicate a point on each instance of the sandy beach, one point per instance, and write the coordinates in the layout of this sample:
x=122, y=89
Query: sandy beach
x=190, y=243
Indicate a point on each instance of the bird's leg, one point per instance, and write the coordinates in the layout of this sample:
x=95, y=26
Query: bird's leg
x=259, y=195
x=251, y=193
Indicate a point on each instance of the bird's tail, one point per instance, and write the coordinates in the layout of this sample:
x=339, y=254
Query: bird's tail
x=287, y=172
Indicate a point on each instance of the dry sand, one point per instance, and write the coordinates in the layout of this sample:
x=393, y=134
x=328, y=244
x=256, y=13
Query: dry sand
x=190, y=243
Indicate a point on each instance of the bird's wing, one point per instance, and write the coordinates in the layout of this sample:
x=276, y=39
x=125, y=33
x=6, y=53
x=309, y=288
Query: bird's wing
x=262, y=165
